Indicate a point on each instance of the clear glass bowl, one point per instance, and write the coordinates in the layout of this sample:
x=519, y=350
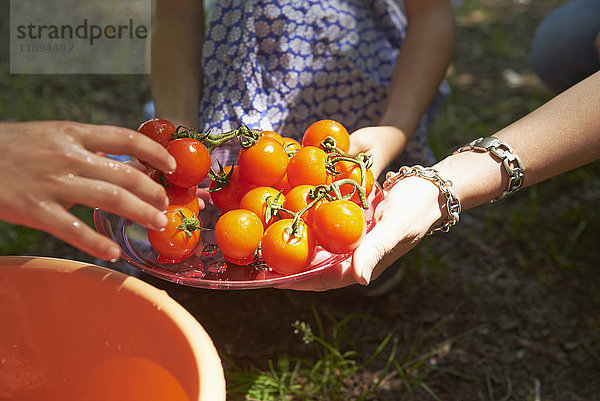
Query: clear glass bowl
x=206, y=267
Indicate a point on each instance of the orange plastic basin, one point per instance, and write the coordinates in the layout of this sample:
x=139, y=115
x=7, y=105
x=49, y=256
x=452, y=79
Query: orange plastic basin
x=74, y=331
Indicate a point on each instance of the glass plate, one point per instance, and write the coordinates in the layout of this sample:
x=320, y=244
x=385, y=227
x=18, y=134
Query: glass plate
x=207, y=268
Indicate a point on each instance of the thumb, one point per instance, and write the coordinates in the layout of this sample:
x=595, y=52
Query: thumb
x=378, y=243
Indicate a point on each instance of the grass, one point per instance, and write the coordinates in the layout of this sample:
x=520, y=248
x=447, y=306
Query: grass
x=337, y=368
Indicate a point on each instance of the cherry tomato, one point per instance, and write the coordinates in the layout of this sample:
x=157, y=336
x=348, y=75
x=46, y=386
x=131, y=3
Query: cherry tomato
x=319, y=130
x=180, y=237
x=239, y=262
x=273, y=135
x=238, y=233
x=193, y=162
x=256, y=201
x=307, y=166
x=160, y=177
x=228, y=197
x=264, y=163
x=285, y=253
x=291, y=145
x=351, y=170
x=339, y=226
x=283, y=185
x=297, y=199
x=158, y=129
x=183, y=197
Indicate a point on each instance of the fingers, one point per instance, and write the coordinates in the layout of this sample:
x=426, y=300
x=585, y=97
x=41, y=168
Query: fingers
x=384, y=143
x=379, y=249
x=115, y=199
x=203, y=197
x=371, y=250
x=117, y=140
x=359, y=141
x=335, y=277
x=403, y=218
x=63, y=225
x=135, y=163
x=122, y=175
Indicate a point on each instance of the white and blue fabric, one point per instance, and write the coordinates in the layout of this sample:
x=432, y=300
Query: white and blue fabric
x=281, y=65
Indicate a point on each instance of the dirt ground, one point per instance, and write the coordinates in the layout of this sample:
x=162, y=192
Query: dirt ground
x=503, y=324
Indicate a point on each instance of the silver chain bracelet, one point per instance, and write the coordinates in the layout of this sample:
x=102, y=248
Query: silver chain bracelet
x=511, y=162
x=445, y=186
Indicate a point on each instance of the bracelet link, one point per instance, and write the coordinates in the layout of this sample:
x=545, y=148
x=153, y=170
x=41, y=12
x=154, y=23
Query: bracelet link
x=510, y=161
x=445, y=186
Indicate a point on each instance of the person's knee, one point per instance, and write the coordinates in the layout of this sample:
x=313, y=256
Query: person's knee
x=561, y=49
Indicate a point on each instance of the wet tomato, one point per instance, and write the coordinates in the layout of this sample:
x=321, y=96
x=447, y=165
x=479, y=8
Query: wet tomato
x=158, y=129
x=239, y=262
x=256, y=201
x=319, y=130
x=181, y=235
x=339, y=226
x=283, y=185
x=307, y=166
x=264, y=163
x=287, y=254
x=183, y=197
x=228, y=196
x=350, y=170
x=297, y=199
x=193, y=162
x=238, y=233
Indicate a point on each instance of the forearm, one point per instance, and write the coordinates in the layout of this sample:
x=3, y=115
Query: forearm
x=561, y=135
x=421, y=64
x=176, y=72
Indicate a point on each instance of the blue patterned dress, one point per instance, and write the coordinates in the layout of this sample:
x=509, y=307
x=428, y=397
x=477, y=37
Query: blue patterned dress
x=281, y=65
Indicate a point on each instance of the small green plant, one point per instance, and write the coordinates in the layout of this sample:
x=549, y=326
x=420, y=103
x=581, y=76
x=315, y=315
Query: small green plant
x=323, y=378
x=329, y=376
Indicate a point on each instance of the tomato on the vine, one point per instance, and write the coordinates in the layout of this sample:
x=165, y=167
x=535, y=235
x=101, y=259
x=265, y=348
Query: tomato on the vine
x=238, y=233
x=286, y=253
x=319, y=130
x=339, y=226
x=291, y=145
x=297, y=199
x=239, y=262
x=307, y=166
x=158, y=129
x=273, y=135
x=348, y=169
x=228, y=196
x=193, y=162
x=183, y=197
x=283, y=185
x=256, y=201
x=263, y=163
x=178, y=239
